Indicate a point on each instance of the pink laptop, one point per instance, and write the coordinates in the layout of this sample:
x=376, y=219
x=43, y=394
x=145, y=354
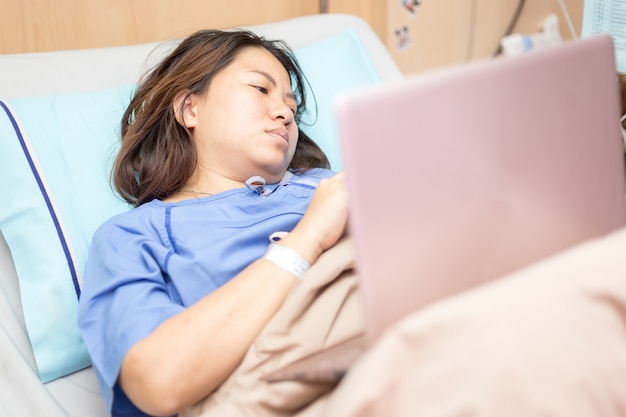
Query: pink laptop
x=459, y=176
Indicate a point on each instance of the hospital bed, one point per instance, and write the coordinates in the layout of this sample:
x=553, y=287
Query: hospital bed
x=59, y=119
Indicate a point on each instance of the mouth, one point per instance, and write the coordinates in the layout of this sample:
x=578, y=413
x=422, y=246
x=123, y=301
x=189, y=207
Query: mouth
x=282, y=134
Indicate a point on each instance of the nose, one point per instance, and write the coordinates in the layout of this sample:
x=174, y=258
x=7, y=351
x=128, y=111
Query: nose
x=280, y=110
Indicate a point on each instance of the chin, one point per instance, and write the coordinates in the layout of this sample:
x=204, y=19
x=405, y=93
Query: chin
x=274, y=171
x=275, y=177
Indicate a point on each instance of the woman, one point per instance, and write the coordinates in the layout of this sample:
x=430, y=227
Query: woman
x=233, y=204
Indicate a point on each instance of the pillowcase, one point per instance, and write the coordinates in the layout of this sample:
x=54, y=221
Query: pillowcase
x=336, y=64
x=54, y=169
x=57, y=153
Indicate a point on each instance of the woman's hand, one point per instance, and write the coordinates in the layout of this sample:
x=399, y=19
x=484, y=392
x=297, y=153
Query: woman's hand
x=324, y=221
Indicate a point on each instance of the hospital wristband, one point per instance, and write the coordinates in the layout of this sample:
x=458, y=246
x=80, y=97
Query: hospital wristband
x=287, y=259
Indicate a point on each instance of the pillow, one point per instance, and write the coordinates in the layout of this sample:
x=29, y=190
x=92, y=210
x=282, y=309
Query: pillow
x=336, y=64
x=55, y=163
x=54, y=168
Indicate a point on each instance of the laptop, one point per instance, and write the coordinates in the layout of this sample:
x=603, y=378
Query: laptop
x=460, y=176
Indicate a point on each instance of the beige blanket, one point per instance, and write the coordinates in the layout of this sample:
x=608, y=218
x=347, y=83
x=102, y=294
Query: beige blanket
x=322, y=309
x=549, y=340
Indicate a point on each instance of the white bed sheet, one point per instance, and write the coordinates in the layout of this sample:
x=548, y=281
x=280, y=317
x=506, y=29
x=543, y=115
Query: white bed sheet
x=21, y=391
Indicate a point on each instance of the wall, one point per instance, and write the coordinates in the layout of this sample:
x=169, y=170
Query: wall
x=44, y=25
x=441, y=32
x=444, y=32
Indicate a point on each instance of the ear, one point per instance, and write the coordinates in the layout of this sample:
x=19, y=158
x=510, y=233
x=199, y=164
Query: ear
x=185, y=108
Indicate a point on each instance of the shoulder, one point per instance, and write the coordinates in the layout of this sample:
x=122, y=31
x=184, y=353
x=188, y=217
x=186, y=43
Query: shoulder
x=139, y=220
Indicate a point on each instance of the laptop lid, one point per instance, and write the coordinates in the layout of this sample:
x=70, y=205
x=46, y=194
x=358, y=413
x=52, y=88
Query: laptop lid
x=462, y=175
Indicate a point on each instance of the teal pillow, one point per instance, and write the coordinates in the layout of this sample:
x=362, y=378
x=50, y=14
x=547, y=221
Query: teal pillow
x=57, y=152
x=336, y=64
x=54, y=170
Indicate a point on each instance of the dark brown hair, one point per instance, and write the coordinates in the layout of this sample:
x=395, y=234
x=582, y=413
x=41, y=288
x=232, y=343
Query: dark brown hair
x=157, y=155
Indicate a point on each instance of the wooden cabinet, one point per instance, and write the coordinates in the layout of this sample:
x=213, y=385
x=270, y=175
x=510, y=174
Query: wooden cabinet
x=426, y=34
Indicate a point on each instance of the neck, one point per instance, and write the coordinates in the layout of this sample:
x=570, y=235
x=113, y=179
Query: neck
x=190, y=191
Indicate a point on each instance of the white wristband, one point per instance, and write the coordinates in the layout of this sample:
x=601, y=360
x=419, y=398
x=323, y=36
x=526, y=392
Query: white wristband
x=287, y=258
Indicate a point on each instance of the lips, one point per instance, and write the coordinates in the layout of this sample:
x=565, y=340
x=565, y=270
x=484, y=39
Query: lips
x=281, y=133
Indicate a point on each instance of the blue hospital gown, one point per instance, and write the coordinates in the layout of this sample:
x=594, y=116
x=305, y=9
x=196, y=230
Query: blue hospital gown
x=162, y=257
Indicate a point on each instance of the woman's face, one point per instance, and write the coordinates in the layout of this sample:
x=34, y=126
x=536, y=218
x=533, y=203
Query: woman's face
x=245, y=123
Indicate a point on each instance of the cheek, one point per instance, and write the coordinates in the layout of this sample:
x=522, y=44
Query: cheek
x=293, y=133
x=293, y=130
x=235, y=102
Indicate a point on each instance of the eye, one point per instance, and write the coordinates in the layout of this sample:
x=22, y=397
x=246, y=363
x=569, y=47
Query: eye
x=263, y=90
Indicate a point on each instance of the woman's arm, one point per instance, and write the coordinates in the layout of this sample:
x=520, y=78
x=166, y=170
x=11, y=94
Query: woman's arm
x=193, y=352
